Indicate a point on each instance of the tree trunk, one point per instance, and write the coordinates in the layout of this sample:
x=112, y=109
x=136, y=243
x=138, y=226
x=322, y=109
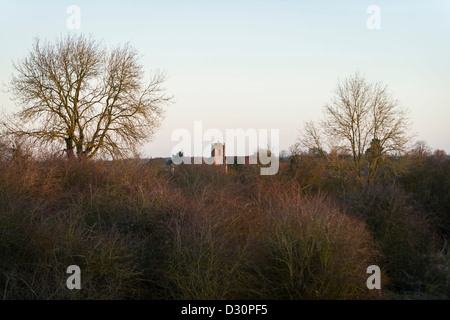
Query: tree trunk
x=69, y=148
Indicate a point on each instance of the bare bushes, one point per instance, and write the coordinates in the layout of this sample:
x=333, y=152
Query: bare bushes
x=137, y=232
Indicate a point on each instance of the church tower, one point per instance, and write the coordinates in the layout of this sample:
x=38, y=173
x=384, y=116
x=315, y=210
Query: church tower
x=218, y=153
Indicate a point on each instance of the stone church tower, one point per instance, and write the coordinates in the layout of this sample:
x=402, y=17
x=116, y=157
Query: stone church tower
x=218, y=153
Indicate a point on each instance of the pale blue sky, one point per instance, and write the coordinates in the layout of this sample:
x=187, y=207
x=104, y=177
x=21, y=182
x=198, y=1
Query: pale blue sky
x=267, y=64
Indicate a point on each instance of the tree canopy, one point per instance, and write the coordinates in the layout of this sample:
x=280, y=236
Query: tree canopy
x=84, y=98
x=364, y=121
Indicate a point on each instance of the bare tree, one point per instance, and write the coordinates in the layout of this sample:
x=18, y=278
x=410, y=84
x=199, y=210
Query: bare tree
x=440, y=155
x=421, y=149
x=85, y=98
x=363, y=121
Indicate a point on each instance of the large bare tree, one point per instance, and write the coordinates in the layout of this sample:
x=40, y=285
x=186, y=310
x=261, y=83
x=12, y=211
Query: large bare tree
x=85, y=98
x=363, y=123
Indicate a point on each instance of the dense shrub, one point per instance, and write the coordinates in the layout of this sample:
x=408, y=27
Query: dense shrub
x=428, y=178
x=404, y=231
x=196, y=233
x=308, y=249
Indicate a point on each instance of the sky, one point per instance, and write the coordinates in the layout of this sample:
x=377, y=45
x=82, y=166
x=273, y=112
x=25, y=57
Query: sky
x=259, y=64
